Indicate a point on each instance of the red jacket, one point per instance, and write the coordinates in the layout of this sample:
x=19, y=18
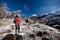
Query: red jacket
x=17, y=20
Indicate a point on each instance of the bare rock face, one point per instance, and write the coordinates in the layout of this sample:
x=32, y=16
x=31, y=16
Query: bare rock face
x=9, y=37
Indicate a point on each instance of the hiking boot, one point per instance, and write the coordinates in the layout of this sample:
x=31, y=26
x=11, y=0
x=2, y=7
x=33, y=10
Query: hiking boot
x=18, y=31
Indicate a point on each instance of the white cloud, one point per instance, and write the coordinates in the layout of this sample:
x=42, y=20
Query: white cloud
x=26, y=7
x=6, y=7
x=18, y=11
x=54, y=11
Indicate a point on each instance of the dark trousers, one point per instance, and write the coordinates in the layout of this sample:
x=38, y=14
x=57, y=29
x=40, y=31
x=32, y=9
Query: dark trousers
x=17, y=28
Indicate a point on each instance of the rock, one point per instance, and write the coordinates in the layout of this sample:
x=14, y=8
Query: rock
x=45, y=39
x=31, y=35
x=12, y=37
x=19, y=37
x=9, y=37
x=39, y=34
x=44, y=33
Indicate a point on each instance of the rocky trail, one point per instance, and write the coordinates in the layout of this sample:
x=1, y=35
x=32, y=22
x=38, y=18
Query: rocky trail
x=32, y=31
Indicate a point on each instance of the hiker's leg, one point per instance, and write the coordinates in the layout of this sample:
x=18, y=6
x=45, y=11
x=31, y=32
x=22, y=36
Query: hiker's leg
x=18, y=28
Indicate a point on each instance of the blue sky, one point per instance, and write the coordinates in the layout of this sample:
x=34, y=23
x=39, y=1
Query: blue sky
x=29, y=7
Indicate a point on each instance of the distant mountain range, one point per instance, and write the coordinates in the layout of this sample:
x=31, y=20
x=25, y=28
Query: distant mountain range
x=50, y=19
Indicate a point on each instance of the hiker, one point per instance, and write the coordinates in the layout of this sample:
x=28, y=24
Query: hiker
x=26, y=20
x=17, y=20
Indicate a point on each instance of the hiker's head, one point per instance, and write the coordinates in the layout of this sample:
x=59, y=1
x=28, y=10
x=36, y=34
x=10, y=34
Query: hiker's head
x=16, y=16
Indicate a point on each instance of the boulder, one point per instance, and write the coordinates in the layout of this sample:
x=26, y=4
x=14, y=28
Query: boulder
x=9, y=37
x=39, y=33
x=13, y=37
